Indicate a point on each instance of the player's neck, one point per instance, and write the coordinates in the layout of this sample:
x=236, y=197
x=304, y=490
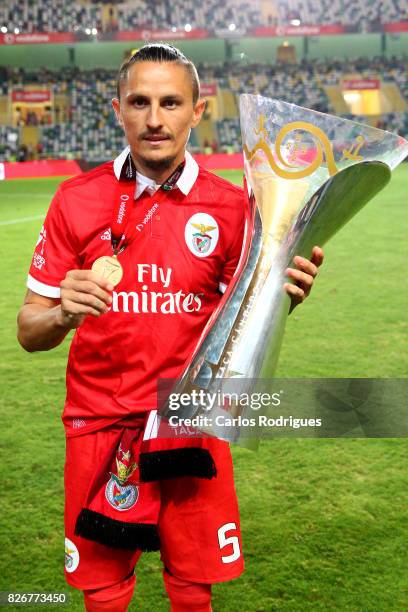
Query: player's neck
x=160, y=175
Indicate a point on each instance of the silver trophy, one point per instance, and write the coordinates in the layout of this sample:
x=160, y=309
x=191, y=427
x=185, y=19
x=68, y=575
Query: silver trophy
x=306, y=175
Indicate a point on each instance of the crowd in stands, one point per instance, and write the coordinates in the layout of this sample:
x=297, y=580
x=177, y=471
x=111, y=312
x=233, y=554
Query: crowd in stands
x=177, y=13
x=9, y=143
x=86, y=127
x=301, y=82
x=49, y=15
x=34, y=118
x=68, y=15
x=395, y=122
x=366, y=13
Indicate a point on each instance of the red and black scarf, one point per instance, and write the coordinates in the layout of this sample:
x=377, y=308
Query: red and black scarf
x=123, y=500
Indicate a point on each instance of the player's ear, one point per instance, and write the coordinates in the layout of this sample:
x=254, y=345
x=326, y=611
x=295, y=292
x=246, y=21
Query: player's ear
x=116, y=108
x=199, y=108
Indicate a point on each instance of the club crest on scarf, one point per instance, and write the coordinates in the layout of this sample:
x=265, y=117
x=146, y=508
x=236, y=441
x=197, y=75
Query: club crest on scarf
x=120, y=495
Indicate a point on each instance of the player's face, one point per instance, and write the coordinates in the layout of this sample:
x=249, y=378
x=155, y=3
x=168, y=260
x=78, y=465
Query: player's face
x=156, y=111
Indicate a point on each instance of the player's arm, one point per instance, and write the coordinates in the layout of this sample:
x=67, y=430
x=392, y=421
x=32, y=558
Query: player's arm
x=303, y=276
x=44, y=322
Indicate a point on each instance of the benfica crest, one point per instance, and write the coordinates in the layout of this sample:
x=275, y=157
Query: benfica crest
x=201, y=239
x=120, y=495
x=201, y=234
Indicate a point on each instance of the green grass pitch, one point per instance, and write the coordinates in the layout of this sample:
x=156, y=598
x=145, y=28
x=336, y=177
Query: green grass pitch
x=322, y=520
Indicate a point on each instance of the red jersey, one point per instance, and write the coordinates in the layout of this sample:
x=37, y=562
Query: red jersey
x=184, y=252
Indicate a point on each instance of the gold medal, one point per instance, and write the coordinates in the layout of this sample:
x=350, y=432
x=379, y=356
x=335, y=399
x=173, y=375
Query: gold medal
x=109, y=268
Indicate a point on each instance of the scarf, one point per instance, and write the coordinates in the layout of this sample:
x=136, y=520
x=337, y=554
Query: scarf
x=123, y=500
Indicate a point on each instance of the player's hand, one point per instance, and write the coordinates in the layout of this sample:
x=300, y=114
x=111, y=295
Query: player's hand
x=303, y=276
x=83, y=292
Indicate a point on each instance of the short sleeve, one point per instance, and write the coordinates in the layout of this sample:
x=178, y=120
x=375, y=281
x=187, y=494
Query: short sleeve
x=54, y=253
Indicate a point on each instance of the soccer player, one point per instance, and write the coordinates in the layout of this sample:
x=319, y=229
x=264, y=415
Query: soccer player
x=134, y=256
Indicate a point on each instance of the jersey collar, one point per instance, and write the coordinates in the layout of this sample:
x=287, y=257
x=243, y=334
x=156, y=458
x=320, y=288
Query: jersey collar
x=124, y=169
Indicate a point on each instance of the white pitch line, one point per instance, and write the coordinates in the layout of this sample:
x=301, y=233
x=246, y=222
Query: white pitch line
x=22, y=220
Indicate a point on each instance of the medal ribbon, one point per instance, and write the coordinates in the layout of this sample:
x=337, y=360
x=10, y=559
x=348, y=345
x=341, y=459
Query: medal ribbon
x=122, y=231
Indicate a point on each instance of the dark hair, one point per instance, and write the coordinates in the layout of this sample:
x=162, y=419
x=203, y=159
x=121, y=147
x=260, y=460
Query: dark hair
x=159, y=52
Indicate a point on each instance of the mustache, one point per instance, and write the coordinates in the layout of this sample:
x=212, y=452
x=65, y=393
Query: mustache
x=153, y=133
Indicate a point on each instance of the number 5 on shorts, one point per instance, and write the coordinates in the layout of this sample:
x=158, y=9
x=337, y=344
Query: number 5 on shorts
x=224, y=541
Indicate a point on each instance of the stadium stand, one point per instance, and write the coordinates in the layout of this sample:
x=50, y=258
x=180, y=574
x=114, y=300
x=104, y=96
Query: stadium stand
x=366, y=13
x=178, y=13
x=229, y=134
x=78, y=121
x=298, y=83
x=67, y=16
x=45, y=16
x=85, y=127
x=9, y=143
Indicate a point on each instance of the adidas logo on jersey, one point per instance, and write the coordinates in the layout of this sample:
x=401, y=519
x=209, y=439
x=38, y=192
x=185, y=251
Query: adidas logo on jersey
x=106, y=235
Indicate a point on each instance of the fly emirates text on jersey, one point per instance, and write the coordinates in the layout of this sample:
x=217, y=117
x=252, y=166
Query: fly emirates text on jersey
x=145, y=300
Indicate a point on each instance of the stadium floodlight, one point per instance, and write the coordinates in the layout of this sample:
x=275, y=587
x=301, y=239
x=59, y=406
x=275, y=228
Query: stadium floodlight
x=232, y=27
x=188, y=27
x=295, y=22
x=88, y=31
x=3, y=30
x=94, y=31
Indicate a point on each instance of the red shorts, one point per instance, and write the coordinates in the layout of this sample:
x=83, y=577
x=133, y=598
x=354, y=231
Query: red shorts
x=198, y=524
